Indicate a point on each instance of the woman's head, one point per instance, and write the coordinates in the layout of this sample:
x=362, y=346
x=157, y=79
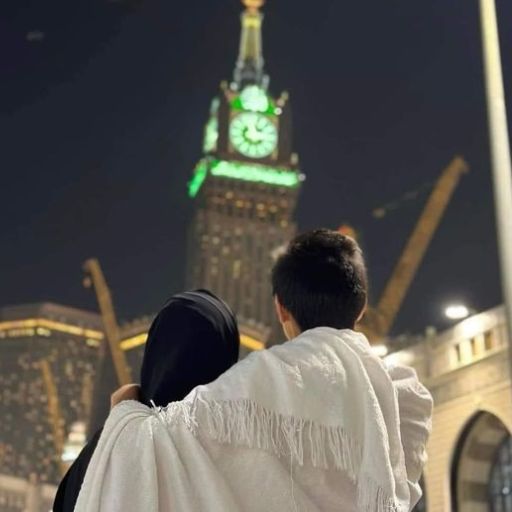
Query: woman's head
x=192, y=341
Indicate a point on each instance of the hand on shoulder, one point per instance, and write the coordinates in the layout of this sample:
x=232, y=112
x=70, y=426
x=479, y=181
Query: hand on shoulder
x=126, y=392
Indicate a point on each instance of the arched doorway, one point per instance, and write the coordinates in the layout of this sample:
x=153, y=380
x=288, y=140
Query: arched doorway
x=475, y=465
x=500, y=486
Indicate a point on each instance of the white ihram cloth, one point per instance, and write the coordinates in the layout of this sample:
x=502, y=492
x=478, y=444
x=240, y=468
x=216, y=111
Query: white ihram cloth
x=316, y=424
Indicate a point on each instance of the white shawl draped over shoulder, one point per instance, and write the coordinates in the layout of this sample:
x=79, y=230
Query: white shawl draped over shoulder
x=316, y=424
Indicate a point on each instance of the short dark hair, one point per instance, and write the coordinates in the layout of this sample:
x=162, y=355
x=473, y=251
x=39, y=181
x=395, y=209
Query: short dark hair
x=321, y=280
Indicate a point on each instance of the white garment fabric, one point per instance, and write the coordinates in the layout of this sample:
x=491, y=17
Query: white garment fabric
x=317, y=424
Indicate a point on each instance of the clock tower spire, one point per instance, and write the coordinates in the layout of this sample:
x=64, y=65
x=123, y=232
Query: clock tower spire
x=250, y=64
x=245, y=188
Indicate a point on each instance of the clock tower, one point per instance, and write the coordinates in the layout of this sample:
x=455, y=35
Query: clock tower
x=245, y=188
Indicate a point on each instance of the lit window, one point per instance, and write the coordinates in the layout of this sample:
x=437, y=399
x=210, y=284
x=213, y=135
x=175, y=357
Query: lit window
x=458, y=353
x=237, y=265
x=489, y=340
x=474, y=348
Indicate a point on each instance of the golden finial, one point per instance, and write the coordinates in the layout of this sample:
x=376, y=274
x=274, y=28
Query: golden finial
x=253, y=5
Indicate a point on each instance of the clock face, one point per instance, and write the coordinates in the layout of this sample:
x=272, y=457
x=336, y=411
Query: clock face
x=211, y=135
x=253, y=135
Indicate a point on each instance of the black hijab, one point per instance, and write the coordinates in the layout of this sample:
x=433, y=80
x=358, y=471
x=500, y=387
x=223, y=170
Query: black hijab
x=192, y=341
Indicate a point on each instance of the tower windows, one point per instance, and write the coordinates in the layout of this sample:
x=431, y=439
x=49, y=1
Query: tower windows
x=237, y=265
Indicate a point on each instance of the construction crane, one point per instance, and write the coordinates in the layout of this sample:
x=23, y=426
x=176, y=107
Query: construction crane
x=379, y=320
x=54, y=413
x=96, y=278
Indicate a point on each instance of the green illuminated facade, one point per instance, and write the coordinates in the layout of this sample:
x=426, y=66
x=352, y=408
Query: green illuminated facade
x=278, y=177
x=245, y=186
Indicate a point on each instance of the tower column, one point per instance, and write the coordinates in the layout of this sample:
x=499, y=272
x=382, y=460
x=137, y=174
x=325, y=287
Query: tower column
x=250, y=63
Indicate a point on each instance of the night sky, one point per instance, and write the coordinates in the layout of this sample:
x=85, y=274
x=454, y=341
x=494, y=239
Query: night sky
x=102, y=110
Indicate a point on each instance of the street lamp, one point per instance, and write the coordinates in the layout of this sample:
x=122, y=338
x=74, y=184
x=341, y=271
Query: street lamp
x=457, y=311
x=500, y=152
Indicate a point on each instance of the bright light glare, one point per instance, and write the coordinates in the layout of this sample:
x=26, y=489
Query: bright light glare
x=380, y=350
x=456, y=312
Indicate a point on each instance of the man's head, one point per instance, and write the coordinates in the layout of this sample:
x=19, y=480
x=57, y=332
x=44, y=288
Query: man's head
x=320, y=281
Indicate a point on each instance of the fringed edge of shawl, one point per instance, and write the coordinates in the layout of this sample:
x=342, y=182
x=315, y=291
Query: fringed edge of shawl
x=246, y=423
x=372, y=498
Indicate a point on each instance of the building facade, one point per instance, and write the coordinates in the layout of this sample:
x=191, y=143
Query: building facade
x=48, y=386
x=470, y=451
x=49, y=354
x=25, y=495
x=244, y=187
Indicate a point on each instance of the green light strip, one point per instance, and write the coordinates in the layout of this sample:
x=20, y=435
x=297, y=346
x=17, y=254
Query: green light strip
x=200, y=173
x=253, y=172
x=241, y=171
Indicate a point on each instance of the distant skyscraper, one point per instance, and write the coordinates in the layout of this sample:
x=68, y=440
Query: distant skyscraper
x=47, y=364
x=245, y=187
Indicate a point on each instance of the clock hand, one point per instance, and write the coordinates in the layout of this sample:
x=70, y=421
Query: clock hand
x=253, y=133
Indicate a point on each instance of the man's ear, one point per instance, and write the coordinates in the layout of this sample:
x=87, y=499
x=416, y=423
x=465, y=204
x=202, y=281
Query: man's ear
x=282, y=313
x=363, y=311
